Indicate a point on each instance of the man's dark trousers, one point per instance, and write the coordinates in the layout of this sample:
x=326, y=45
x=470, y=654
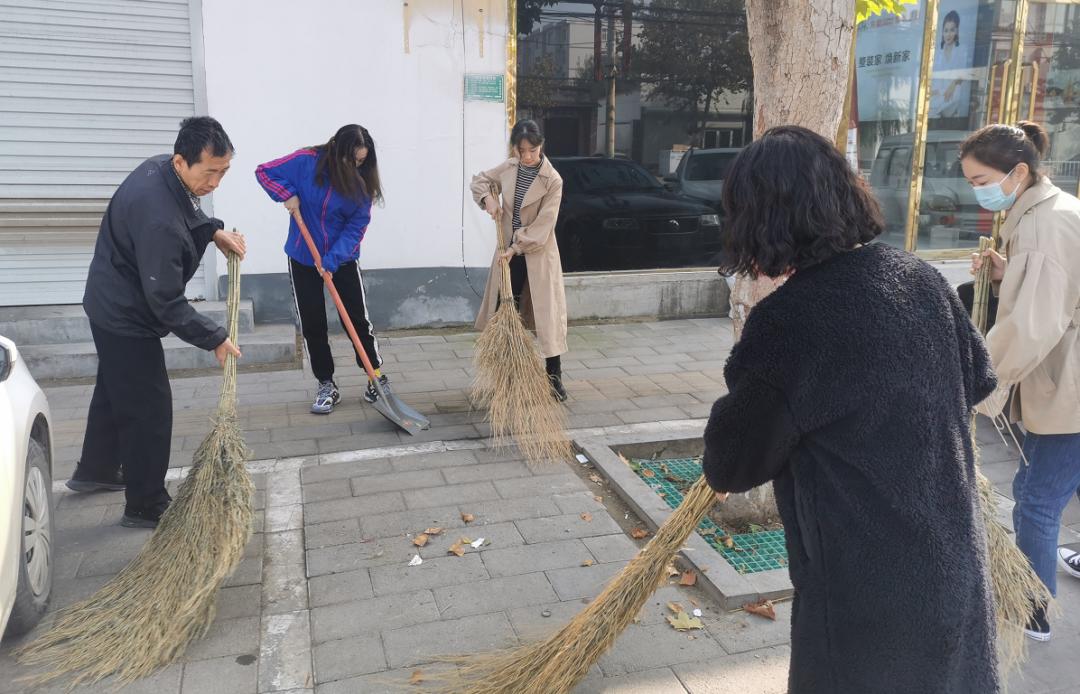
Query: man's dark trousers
x=130, y=419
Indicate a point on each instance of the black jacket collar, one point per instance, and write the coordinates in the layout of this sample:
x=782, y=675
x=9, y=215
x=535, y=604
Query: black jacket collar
x=194, y=217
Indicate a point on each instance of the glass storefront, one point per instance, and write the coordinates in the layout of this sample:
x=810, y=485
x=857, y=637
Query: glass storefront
x=983, y=70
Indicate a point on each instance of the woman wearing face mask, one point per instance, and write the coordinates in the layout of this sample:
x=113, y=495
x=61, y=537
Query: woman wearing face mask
x=333, y=185
x=1035, y=343
x=531, y=191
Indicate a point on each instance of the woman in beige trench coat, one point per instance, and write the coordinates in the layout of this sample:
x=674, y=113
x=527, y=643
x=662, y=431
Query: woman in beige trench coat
x=531, y=191
x=1035, y=343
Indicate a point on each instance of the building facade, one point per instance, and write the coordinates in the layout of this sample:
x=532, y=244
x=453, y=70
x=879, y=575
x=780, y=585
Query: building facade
x=90, y=89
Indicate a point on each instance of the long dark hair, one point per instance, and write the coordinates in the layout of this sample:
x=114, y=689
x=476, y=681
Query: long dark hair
x=337, y=164
x=1003, y=147
x=953, y=17
x=792, y=201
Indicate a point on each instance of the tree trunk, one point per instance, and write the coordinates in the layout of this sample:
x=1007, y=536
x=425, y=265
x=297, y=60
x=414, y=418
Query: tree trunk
x=800, y=50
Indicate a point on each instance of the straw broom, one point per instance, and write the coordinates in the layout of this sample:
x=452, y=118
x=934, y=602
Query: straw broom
x=145, y=617
x=512, y=384
x=1016, y=587
x=556, y=664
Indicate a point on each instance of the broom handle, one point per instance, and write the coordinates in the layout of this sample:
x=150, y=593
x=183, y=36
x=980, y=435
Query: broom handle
x=506, y=291
x=346, y=321
x=980, y=305
x=232, y=309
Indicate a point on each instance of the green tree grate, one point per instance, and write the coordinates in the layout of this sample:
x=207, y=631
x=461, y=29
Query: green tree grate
x=750, y=553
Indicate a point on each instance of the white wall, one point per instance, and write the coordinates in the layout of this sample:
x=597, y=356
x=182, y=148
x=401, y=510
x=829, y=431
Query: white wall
x=281, y=75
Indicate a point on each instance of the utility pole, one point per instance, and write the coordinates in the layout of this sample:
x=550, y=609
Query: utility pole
x=598, y=56
x=628, y=31
x=609, y=131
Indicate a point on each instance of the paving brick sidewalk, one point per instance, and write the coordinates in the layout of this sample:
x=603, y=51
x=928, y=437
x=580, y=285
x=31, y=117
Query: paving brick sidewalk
x=325, y=601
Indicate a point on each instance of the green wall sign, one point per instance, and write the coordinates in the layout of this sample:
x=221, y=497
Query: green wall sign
x=484, y=87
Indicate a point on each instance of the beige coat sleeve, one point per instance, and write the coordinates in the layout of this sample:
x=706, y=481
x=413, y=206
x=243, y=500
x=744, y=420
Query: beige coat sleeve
x=534, y=237
x=1036, y=306
x=483, y=182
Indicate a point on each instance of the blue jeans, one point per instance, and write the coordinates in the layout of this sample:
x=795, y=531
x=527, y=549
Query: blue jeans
x=1042, y=488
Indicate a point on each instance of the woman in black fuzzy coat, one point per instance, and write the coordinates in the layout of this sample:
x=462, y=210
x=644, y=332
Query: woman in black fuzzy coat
x=852, y=390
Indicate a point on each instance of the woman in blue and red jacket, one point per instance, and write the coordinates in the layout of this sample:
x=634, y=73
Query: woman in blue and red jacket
x=333, y=185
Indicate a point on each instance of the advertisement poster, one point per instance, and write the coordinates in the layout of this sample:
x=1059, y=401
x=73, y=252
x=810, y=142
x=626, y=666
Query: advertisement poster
x=954, y=56
x=887, y=53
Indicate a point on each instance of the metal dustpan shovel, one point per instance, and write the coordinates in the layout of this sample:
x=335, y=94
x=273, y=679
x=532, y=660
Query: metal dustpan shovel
x=388, y=404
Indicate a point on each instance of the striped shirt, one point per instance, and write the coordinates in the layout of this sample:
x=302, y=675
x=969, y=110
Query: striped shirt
x=525, y=176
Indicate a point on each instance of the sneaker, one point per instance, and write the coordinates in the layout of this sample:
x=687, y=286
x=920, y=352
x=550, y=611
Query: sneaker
x=557, y=387
x=1069, y=560
x=143, y=517
x=1038, y=627
x=371, y=395
x=81, y=483
x=325, y=398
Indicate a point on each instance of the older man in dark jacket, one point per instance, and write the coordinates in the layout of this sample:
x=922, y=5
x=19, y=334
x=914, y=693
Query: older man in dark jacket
x=151, y=241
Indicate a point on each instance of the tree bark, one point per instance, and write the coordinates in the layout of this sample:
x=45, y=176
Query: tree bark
x=800, y=50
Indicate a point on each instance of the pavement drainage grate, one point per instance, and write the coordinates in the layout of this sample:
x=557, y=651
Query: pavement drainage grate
x=751, y=553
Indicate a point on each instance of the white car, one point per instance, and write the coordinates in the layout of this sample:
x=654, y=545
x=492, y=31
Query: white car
x=26, y=507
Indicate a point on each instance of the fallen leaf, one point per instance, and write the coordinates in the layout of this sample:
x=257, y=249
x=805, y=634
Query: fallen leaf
x=434, y=531
x=417, y=677
x=676, y=607
x=683, y=621
x=674, y=480
x=664, y=468
x=693, y=602
x=762, y=608
x=689, y=578
x=671, y=570
x=587, y=562
x=468, y=517
x=420, y=540
x=596, y=478
x=416, y=561
x=639, y=533
x=587, y=517
x=457, y=549
x=728, y=541
x=464, y=540
x=648, y=473
x=598, y=499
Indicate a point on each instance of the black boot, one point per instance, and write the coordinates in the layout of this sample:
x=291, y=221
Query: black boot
x=554, y=374
x=557, y=387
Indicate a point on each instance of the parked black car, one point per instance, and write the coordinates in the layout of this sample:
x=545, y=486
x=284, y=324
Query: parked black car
x=616, y=216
